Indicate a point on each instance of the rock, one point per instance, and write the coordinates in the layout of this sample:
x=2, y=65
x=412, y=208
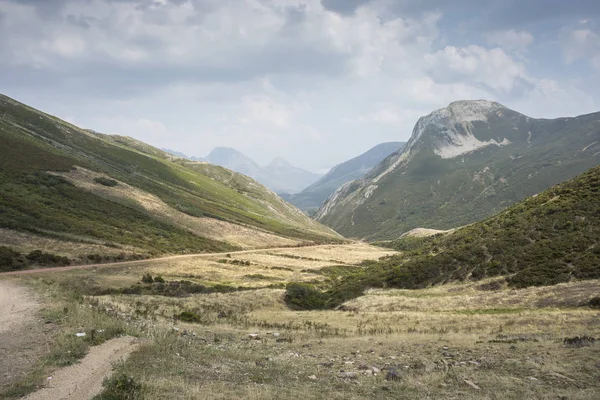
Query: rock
x=445, y=348
x=348, y=375
x=253, y=335
x=312, y=377
x=531, y=378
x=375, y=370
x=275, y=334
x=392, y=375
x=80, y=334
x=367, y=372
x=472, y=384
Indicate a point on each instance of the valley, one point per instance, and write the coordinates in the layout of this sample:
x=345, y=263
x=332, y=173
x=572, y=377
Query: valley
x=131, y=273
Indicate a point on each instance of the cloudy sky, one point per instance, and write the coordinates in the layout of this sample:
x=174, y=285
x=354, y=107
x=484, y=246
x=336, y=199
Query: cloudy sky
x=313, y=81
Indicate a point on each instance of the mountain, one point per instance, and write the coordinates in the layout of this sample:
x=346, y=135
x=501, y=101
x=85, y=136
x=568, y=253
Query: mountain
x=549, y=238
x=279, y=175
x=314, y=195
x=462, y=164
x=74, y=191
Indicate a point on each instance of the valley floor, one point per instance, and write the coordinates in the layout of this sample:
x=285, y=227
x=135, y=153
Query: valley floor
x=472, y=340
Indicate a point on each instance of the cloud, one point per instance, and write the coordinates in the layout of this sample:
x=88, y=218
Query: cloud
x=314, y=81
x=511, y=40
x=581, y=43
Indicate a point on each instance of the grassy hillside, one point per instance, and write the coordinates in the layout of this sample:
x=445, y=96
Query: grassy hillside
x=421, y=189
x=62, y=182
x=547, y=239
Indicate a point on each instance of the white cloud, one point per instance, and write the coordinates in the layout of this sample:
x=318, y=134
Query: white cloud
x=511, y=40
x=582, y=43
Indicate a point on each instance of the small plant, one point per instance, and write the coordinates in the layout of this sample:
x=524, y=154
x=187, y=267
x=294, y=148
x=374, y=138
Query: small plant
x=188, y=316
x=594, y=302
x=147, y=278
x=159, y=279
x=120, y=387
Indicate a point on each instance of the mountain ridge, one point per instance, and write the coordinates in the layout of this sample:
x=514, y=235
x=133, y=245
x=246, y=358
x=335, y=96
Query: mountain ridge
x=493, y=155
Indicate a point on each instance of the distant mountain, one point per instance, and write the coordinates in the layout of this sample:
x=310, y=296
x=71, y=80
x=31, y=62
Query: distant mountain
x=279, y=175
x=462, y=164
x=313, y=196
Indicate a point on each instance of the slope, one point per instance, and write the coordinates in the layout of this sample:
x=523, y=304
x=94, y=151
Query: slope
x=463, y=163
x=121, y=196
x=314, y=195
x=546, y=239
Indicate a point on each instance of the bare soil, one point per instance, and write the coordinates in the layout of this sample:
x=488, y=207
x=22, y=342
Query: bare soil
x=84, y=380
x=23, y=337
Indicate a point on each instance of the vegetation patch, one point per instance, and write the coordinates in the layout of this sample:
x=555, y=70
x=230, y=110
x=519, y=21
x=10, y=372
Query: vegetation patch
x=11, y=260
x=106, y=181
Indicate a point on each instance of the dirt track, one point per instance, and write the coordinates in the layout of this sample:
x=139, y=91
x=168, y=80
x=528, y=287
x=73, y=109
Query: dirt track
x=84, y=380
x=151, y=260
x=23, y=339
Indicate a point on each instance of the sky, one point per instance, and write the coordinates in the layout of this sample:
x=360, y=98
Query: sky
x=313, y=81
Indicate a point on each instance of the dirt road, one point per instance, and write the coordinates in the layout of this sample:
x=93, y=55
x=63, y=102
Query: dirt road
x=84, y=380
x=24, y=338
x=16, y=307
x=135, y=262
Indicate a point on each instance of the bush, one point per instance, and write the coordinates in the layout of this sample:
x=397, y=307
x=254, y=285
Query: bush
x=594, y=302
x=106, y=182
x=159, y=279
x=120, y=387
x=302, y=296
x=188, y=316
x=147, y=278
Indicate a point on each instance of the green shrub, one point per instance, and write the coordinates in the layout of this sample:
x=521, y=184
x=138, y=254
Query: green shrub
x=120, y=387
x=106, y=182
x=302, y=296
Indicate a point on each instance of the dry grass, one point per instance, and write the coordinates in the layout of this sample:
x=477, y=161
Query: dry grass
x=266, y=266
x=454, y=341
x=27, y=242
x=237, y=235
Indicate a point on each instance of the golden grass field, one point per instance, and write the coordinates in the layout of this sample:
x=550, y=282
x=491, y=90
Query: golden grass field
x=460, y=341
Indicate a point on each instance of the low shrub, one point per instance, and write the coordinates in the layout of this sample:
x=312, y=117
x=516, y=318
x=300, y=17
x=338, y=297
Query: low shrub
x=120, y=387
x=106, y=182
x=302, y=296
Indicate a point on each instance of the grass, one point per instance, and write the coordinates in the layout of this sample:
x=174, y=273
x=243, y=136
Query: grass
x=507, y=342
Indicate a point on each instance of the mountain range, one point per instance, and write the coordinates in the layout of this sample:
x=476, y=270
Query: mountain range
x=65, y=188
x=311, y=198
x=279, y=175
x=462, y=164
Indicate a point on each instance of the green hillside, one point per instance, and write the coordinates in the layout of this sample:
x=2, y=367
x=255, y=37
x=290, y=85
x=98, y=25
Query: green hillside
x=463, y=163
x=546, y=239
x=61, y=182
